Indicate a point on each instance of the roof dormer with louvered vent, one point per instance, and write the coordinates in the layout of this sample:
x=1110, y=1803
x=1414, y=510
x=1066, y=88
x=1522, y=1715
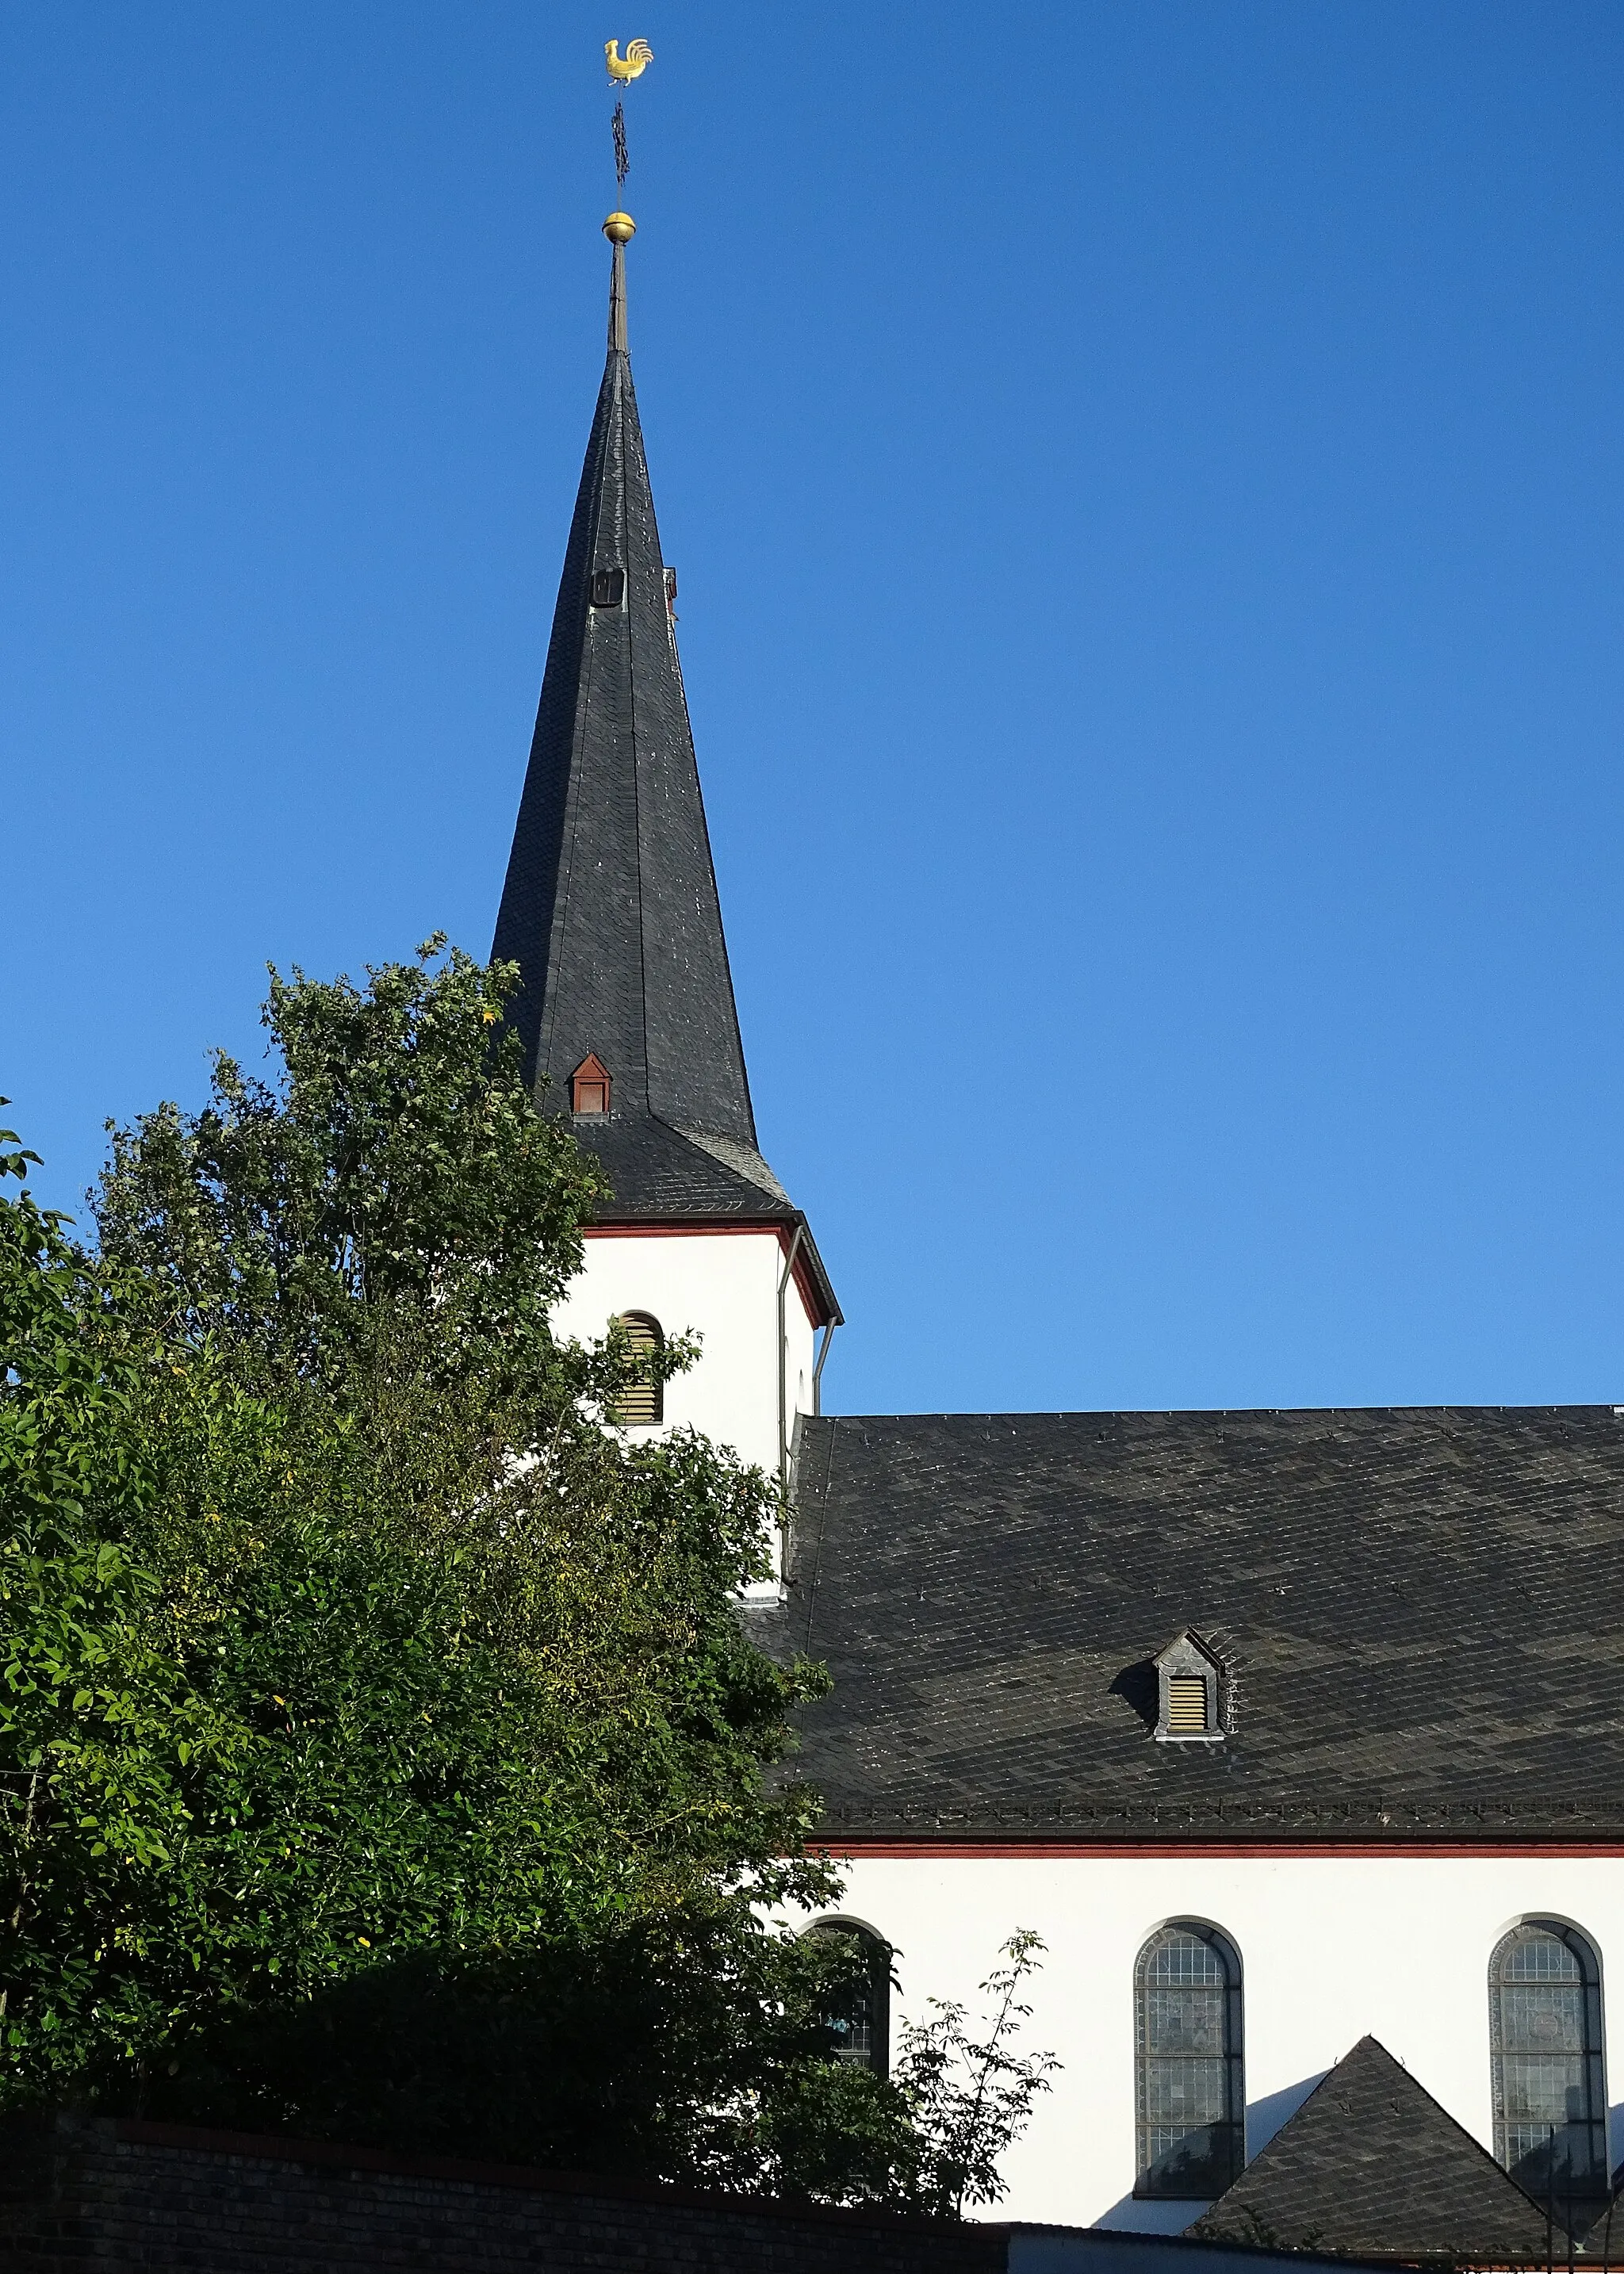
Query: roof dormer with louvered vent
x=1191, y=1692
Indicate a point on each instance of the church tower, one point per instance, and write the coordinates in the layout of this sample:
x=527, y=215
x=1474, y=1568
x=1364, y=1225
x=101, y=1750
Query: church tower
x=626, y=1005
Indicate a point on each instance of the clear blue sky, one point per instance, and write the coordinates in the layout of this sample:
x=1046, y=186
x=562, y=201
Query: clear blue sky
x=1145, y=482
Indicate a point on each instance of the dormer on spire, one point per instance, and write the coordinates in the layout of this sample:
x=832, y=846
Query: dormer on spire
x=590, y=1086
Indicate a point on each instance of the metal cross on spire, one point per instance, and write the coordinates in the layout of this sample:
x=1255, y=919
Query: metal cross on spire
x=617, y=126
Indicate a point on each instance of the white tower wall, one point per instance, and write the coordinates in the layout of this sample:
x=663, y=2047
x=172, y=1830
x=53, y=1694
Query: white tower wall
x=731, y=1288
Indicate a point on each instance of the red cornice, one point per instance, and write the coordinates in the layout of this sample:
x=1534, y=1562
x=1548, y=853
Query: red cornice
x=700, y=1230
x=853, y=1848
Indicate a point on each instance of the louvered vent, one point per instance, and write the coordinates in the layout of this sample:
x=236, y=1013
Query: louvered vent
x=641, y=1405
x=1186, y=1705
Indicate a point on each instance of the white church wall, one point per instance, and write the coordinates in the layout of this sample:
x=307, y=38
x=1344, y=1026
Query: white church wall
x=1333, y=1948
x=723, y=1286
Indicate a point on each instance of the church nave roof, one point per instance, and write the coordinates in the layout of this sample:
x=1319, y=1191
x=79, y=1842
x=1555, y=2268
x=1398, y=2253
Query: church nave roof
x=1415, y=1613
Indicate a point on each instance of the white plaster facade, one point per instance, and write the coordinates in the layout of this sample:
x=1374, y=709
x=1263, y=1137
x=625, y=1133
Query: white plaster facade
x=1333, y=1946
x=731, y=1288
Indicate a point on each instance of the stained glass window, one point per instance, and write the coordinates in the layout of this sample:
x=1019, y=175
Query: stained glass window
x=1545, y=2028
x=1191, y=2087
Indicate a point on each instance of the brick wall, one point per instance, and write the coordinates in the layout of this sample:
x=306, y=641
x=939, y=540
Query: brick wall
x=98, y=2196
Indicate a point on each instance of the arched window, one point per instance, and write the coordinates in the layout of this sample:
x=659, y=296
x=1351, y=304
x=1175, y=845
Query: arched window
x=641, y=1404
x=859, y=2013
x=1545, y=2046
x=1191, y=2076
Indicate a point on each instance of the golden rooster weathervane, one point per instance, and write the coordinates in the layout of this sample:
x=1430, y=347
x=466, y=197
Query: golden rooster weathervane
x=620, y=227
x=638, y=58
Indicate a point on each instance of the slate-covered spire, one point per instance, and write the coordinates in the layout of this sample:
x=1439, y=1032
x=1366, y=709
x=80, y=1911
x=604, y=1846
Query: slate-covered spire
x=610, y=906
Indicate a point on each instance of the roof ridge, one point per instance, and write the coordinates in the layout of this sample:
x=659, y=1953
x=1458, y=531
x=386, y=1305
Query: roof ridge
x=743, y=1160
x=1235, y=1413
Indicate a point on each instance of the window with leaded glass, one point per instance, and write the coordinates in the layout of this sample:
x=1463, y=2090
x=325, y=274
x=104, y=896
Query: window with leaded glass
x=1191, y=2079
x=859, y=2011
x=1545, y=2043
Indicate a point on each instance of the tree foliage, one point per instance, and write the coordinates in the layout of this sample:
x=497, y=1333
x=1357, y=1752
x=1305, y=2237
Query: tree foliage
x=970, y=2097
x=100, y=1725
x=397, y=1171
x=382, y=1755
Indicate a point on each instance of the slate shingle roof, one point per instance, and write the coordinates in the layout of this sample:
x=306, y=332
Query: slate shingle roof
x=610, y=907
x=1371, y=2166
x=1419, y=1609
x=663, y=1175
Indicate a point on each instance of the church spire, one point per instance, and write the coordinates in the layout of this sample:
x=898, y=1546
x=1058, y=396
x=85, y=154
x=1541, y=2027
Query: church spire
x=610, y=907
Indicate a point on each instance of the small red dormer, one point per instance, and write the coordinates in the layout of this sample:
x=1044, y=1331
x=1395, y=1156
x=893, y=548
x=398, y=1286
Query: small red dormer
x=589, y=1085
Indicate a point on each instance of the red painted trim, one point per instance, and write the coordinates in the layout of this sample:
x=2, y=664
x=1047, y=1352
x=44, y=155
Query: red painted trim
x=783, y=1233
x=816, y=1316
x=855, y=1848
x=671, y=1230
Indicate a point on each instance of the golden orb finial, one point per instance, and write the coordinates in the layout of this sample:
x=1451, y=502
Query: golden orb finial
x=620, y=229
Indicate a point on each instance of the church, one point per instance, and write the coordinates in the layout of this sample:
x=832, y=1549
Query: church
x=1296, y=1735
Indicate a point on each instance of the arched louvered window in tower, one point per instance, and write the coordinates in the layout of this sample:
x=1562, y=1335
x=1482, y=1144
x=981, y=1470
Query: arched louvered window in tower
x=641, y=1404
x=1545, y=2046
x=1191, y=2084
x=859, y=2014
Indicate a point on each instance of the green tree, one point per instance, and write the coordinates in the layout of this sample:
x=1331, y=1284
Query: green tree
x=400, y=1771
x=99, y=1727
x=477, y=1851
x=970, y=2097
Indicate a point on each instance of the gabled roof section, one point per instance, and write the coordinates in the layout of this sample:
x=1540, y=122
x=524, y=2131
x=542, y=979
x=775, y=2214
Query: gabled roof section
x=1188, y=1651
x=1371, y=2166
x=610, y=907
x=1420, y=1606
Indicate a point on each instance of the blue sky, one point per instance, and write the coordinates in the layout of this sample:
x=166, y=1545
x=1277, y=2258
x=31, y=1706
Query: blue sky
x=1146, y=482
